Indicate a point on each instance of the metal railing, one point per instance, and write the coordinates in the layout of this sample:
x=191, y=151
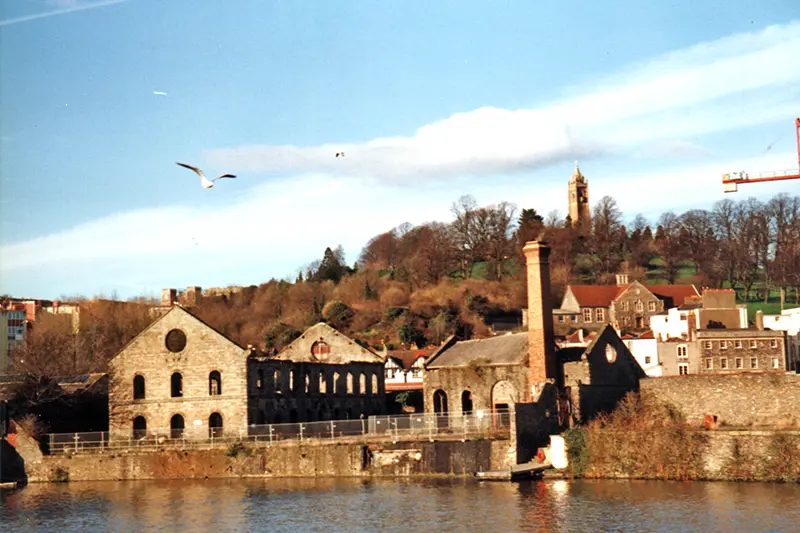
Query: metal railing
x=405, y=427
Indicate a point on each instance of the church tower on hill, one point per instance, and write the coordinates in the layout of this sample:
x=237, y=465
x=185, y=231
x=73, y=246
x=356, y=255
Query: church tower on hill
x=579, y=199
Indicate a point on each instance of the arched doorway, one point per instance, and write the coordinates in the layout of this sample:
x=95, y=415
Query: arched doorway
x=176, y=426
x=504, y=396
x=215, y=425
x=440, y=408
x=139, y=427
x=466, y=402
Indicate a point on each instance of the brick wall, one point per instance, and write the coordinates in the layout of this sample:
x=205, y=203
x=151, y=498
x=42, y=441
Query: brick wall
x=746, y=399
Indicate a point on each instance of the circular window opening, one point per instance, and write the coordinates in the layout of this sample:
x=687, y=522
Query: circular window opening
x=176, y=341
x=611, y=353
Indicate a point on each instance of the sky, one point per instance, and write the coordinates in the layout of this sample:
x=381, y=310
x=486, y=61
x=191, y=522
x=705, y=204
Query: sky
x=429, y=101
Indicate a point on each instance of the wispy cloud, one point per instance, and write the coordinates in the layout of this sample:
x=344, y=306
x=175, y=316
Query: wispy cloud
x=703, y=89
x=63, y=7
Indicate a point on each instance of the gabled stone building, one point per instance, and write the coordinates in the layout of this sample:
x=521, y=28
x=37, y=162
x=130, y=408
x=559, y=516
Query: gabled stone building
x=180, y=375
x=599, y=376
x=628, y=306
x=511, y=369
x=322, y=375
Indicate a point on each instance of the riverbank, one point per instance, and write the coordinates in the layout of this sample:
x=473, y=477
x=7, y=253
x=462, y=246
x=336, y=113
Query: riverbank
x=647, y=439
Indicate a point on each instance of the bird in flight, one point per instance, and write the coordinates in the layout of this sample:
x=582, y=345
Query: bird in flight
x=339, y=154
x=204, y=181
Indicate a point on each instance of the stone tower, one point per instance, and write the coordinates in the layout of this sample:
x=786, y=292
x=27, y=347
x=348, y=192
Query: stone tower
x=541, y=345
x=579, y=199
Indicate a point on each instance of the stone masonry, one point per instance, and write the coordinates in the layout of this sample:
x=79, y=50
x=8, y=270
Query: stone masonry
x=149, y=357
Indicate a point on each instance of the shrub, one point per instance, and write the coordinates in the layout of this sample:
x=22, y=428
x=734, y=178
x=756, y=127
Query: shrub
x=235, y=448
x=577, y=451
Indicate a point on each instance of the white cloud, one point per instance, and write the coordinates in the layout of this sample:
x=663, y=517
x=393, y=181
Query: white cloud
x=64, y=7
x=737, y=81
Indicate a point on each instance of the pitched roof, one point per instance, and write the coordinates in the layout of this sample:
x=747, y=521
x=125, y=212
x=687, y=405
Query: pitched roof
x=604, y=295
x=596, y=295
x=405, y=358
x=648, y=335
x=511, y=348
x=677, y=293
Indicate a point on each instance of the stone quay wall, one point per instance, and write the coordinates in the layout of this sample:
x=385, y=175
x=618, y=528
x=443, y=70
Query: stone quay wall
x=285, y=459
x=740, y=400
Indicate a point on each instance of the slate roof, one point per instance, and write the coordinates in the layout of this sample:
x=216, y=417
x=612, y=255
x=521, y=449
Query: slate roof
x=509, y=349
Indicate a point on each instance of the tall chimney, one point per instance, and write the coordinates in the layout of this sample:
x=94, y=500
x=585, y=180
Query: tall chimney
x=760, y=320
x=541, y=351
x=168, y=297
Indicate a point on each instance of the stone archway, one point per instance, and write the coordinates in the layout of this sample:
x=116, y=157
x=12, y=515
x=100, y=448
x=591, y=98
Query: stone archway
x=504, y=396
x=176, y=426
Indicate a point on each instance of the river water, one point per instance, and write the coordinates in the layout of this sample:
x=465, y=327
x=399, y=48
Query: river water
x=409, y=506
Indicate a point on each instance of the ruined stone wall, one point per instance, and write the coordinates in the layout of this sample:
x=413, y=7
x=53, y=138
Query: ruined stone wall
x=284, y=391
x=745, y=399
x=205, y=351
x=290, y=459
x=481, y=381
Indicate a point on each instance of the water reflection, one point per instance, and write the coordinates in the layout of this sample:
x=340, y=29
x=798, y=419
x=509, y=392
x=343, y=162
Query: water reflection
x=330, y=506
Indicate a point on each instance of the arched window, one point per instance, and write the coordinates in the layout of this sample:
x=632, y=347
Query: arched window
x=440, y=401
x=362, y=384
x=139, y=427
x=323, y=383
x=306, y=382
x=215, y=425
x=176, y=426
x=176, y=383
x=337, y=386
x=466, y=402
x=138, y=387
x=349, y=383
x=375, y=384
x=214, y=383
x=276, y=381
x=291, y=380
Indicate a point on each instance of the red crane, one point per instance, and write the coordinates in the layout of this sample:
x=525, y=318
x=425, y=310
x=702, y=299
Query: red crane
x=731, y=181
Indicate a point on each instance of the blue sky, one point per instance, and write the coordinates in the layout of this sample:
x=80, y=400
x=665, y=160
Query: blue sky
x=429, y=100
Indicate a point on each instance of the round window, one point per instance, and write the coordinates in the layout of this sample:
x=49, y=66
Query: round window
x=611, y=353
x=176, y=341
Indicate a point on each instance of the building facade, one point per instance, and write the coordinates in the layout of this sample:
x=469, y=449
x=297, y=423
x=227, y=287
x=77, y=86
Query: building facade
x=13, y=326
x=178, y=375
x=724, y=351
x=627, y=306
x=322, y=375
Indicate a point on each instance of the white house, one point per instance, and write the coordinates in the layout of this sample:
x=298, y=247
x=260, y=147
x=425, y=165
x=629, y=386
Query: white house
x=645, y=350
x=405, y=370
x=788, y=321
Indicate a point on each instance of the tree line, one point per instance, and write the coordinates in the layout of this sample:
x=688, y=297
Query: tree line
x=416, y=285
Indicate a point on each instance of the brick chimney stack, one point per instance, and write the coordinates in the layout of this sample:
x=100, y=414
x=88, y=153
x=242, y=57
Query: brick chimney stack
x=541, y=348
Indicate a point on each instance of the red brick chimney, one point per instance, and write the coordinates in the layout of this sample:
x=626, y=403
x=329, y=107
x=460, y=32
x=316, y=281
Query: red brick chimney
x=541, y=349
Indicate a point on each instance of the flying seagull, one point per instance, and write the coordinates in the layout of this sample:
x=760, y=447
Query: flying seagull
x=204, y=181
x=339, y=154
